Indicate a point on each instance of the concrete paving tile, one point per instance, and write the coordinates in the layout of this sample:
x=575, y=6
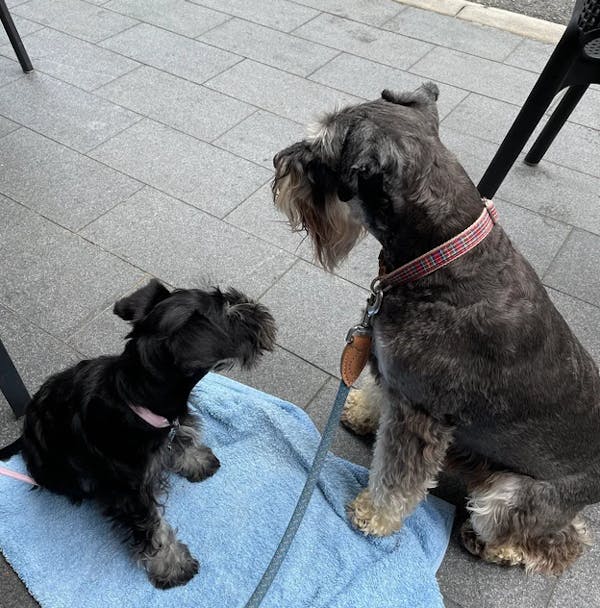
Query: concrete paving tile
x=263, y=44
x=75, y=17
x=558, y=192
x=186, y=247
x=575, y=268
x=7, y=126
x=260, y=136
x=9, y=71
x=549, y=189
x=278, y=14
x=487, y=42
x=284, y=375
x=457, y=575
x=537, y=237
x=24, y=27
x=182, y=166
x=367, y=79
x=103, y=335
x=171, y=52
x=258, y=215
x=35, y=353
x=482, y=117
x=531, y=55
x=179, y=103
x=587, y=112
x=576, y=147
x=14, y=592
x=483, y=76
x=345, y=444
x=56, y=279
x=374, y=12
x=368, y=42
x=580, y=317
x=61, y=184
x=72, y=60
x=63, y=112
x=448, y=603
x=308, y=302
x=279, y=92
x=362, y=265
x=579, y=587
x=177, y=16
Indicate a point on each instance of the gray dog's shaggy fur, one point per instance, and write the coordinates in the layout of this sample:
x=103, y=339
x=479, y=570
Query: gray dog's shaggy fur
x=472, y=365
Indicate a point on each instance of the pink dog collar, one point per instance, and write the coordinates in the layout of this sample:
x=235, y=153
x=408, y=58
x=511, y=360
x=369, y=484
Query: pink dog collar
x=443, y=254
x=158, y=422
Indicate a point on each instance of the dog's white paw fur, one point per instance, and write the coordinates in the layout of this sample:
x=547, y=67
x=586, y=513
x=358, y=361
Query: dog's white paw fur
x=360, y=414
x=370, y=519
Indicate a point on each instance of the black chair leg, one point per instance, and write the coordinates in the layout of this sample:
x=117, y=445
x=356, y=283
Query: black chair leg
x=540, y=98
x=11, y=385
x=15, y=39
x=555, y=122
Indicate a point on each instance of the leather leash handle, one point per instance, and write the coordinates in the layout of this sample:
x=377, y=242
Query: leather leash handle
x=355, y=357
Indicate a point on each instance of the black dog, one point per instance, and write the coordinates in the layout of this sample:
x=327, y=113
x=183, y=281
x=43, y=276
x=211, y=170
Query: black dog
x=111, y=428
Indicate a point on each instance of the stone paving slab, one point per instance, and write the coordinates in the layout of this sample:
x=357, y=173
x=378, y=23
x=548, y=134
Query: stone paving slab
x=142, y=146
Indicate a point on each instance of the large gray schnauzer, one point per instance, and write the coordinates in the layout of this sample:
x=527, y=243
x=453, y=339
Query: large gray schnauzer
x=472, y=366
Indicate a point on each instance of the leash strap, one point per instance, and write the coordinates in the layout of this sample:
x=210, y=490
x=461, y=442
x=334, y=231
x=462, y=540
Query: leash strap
x=302, y=504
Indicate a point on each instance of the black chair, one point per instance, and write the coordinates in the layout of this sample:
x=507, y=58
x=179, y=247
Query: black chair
x=15, y=39
x=575, y=63
x=11, y=384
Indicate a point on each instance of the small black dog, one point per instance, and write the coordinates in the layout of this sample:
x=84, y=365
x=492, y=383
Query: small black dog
x=111, y=428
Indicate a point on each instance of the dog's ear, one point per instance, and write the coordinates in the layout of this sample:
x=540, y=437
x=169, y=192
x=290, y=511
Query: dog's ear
x=138, y=304
x=427, y=94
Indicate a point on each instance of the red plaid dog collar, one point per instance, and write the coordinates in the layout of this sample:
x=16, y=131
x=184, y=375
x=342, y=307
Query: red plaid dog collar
x=443, y=254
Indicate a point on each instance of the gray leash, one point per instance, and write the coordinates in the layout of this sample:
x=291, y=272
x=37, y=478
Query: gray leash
x=302, y=504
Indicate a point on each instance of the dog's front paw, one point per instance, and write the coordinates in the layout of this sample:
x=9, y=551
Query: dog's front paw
x=359, y=415
x=198, y=463
x=369, y=519
x=171, y=566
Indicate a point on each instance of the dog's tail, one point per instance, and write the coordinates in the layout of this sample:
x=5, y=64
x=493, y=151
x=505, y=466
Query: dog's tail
x=13, y=448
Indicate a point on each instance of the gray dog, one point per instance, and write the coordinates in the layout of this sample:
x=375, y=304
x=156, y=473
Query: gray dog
x=472, y=366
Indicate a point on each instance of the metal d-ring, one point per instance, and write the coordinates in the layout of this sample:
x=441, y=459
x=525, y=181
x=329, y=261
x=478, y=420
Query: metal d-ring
x=375, y=298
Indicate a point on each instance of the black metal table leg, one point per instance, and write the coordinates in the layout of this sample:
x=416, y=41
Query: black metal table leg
x=15, y=39
x=541, y=96
x=11, y=385
x=555, y=122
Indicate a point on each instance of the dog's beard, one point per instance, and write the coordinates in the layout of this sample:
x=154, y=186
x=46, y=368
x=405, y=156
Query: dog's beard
x=331, y=226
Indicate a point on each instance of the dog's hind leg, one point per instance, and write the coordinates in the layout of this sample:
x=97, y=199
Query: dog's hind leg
x=167, y=561
x=362, y=409
x=516, y=520
x=409, y=453
x=190, y=458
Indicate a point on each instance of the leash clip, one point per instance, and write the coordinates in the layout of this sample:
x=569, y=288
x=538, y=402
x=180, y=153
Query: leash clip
x=361, y=329
x=172, y=433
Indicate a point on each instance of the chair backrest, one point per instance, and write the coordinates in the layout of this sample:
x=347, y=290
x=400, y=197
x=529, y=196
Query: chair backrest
x=589, y=17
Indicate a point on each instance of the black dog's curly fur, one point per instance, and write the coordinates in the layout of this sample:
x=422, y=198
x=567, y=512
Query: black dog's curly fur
x=81, y=438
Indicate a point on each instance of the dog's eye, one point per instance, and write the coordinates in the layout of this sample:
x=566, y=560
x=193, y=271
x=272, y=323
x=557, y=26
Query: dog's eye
x=224, y=365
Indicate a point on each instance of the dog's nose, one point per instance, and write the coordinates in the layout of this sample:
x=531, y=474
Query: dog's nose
x=276, y=159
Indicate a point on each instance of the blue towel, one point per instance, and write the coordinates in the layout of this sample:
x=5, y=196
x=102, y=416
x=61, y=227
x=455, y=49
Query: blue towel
x=69, y=557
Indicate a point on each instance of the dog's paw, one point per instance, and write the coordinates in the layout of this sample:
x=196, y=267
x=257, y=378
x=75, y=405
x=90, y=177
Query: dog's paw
x=366, y=517
x=172, y=565
x=198, y=463
x=358, y=415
